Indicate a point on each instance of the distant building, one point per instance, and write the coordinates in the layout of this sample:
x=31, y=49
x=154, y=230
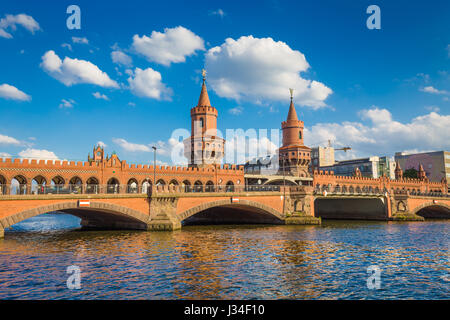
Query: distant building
x=373, y=167
x=322, y=157
x=264, y=165
x=436, y=164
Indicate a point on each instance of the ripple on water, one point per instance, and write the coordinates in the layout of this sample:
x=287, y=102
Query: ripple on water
x=226, y=262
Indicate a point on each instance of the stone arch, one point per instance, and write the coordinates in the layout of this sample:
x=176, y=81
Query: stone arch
x=92, y=185
x=113, y=185
x=173, y=182
x=160, y=182
x=229, y=186
x=432, y=205
x=401, y=206
x=198, y=186
x=289, y=181
x=19, y=185
x=298, y=205
x=187, y=185
x=38, y=184
x=227, y=203
x=58, y=181
x=69, y=207
x=132, y=186
x=209, y=186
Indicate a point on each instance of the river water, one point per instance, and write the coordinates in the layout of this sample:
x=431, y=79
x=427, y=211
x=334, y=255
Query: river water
x=227, y=262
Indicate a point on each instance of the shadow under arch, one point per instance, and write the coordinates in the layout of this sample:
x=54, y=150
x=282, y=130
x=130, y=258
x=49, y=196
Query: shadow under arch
x=431, y=210
x=226, y=212
x=351, y=208
x=100, y=215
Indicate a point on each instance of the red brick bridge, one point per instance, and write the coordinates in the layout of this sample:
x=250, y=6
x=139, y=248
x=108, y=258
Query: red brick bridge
x=170, y=207
x=111, y=194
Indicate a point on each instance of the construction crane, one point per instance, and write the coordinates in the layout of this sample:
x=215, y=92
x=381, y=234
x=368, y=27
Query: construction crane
x=339, y=149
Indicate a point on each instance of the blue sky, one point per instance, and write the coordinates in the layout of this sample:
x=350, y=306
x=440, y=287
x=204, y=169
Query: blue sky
x=378, y=91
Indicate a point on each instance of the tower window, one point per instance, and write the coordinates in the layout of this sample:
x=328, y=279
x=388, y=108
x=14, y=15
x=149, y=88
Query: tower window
x=299, y=134
x=201, y=123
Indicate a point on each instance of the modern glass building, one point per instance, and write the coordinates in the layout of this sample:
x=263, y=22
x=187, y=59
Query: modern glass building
x=436, y=164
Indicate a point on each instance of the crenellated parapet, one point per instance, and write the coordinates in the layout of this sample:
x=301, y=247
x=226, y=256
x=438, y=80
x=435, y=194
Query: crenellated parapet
x=326, y=180
x=83, y=175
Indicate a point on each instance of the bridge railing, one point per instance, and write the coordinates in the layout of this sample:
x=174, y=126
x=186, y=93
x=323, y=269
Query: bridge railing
x=24, y=189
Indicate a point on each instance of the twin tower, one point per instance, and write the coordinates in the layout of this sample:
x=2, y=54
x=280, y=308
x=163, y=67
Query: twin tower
x=204, y=148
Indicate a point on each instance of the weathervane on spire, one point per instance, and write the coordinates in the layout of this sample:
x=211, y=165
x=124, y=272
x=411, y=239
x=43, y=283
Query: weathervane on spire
x=204, y=74
x=292, y=92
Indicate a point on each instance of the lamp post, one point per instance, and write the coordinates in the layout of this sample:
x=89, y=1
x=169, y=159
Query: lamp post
x=154, y=165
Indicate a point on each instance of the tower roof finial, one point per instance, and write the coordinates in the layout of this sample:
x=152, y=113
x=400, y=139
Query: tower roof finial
x=204, y=75
x=204, y=98
x=292, y=115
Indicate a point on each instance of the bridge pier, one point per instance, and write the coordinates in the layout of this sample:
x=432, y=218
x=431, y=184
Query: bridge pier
x=400, y=209
x=163, y=214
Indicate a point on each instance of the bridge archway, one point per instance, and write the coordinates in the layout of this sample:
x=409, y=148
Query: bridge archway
x=279, y=182
x=430, y=210
x=100, y=215
x=225, y=212
x=352, y=208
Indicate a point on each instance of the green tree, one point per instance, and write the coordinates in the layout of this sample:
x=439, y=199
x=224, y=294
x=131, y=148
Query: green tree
x=410, y=173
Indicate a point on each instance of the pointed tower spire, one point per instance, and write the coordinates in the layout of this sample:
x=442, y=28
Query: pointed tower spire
x=292, y=115
x=398, y=171
x=421, y=174
x=203, y=101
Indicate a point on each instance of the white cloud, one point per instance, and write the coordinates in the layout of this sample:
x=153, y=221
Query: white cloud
x=240, y=149
x=102, y=144
x=119, y=57
x=171, y=46
x=10, y=92
x=433, y=108
x=67, y=45
x=381, y=133
x=128, y=146
x=258, y=69
x=99, y=95
x=433, y=90
x=74, y=71
x=67, y=103
x=8, y=140
x=132, y=104
x=219, y=12
x=37, y=154
x=147, y=83
x=4, y=155
x=236, y=110
x=11, y=21
x=81, y=40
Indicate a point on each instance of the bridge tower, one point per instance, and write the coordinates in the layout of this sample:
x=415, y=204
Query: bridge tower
x=421, y=174
x=398, y=171
x=294, y=156
x=204, y=148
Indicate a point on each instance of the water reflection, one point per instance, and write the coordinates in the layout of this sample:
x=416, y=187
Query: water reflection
x=228, y=262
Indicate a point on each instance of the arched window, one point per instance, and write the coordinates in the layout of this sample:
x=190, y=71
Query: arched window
x=113, y=186
x=92, y=185
x=300, y=134
x=201, y=122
